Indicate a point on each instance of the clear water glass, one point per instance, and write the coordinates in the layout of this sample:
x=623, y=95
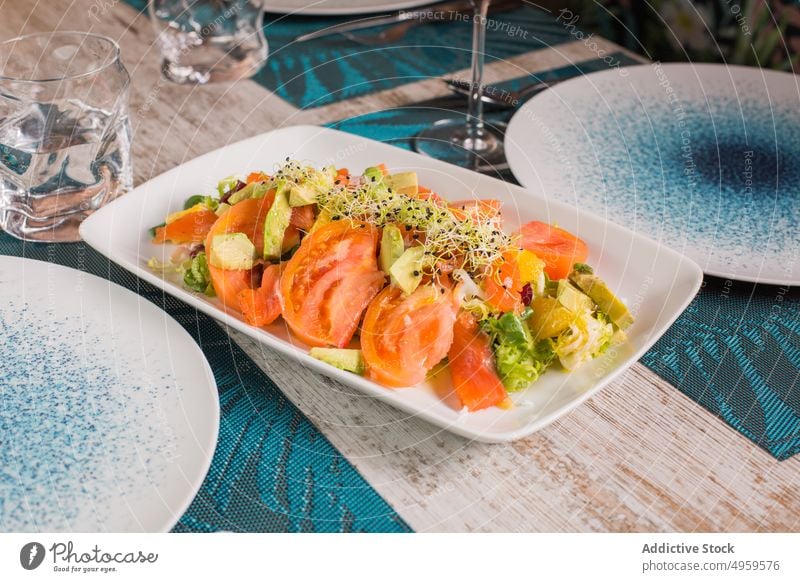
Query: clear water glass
x=65, y=135
x=468, y=141
x=207, y=41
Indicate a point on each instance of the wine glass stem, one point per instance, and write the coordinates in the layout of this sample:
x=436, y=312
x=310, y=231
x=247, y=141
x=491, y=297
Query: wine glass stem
x=475, y=103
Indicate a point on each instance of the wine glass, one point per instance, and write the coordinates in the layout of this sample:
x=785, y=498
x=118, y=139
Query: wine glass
x=469, y=141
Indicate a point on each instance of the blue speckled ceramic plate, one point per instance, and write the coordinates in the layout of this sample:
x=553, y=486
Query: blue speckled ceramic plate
x=108, y=410
x=703, y=158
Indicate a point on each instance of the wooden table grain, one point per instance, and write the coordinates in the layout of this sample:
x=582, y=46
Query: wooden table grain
x=640, y=456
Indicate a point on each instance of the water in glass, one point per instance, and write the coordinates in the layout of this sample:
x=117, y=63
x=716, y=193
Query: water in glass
x=64, y=133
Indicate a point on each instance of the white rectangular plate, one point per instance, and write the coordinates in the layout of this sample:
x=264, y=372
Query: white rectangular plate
x=656, y=282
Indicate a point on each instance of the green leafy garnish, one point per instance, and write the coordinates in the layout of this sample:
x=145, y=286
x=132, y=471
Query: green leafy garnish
x=227, y=185
x=588, y=336
x=473, y=243
x=193, y=201
x=197, y=276
x=520, y=361
x=582, y=268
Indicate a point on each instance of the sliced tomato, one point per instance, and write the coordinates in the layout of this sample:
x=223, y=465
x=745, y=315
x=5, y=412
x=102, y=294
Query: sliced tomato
x=192, y=227
x=479, y=209
x=559, y=249
x=503, y=285
x=329, y=281
x=472, y=368
x=262, y=306
x=404, y=336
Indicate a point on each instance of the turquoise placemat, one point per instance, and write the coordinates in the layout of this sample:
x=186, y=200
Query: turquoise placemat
x=332, y=69
x=735, y=350
x=272, y=470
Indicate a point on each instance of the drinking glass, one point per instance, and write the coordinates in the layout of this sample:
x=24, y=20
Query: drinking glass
x=65, y=135
x=468, y=142
x=206, y=41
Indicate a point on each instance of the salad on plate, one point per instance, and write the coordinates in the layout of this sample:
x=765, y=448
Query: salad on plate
x=382, y=277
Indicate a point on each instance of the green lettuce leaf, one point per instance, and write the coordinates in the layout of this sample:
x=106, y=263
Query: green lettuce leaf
x=589, y=335
x=197, y=276
x=519, y=360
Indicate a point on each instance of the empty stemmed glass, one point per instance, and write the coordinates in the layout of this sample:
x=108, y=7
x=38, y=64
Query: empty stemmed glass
x=468, y=141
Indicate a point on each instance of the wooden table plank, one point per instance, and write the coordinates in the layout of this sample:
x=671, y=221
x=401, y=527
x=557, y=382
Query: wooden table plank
x=640, y=456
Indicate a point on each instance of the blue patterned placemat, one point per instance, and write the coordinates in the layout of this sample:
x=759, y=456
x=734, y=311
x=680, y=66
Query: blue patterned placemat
x=272, y=470
x=332, y=69
x=735, y=350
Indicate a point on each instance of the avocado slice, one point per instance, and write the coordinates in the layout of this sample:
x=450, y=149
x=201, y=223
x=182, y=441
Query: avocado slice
x=318, y=183
x=373, y=174
x=596, y=288
x=406, y=272
x=403, y=182
x=392, y=247
x=275, y=225
x=323, y=218
x=232, y=251
x=252, y=190
x=571, y=298
x=344, y=359
x=302, y=195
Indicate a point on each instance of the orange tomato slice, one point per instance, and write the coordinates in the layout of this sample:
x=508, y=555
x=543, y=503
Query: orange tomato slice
x=404, y=336
x=329, y=281
x=559, y=249
x=475, y=379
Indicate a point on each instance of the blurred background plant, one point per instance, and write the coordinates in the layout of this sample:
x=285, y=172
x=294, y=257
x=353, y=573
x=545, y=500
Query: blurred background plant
x=745, y=32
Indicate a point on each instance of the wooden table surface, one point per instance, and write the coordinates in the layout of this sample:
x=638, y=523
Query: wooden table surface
x=640, y=456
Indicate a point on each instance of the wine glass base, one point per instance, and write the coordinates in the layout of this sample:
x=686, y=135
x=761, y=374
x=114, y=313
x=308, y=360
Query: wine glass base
x=224, y=71
x=447, y=140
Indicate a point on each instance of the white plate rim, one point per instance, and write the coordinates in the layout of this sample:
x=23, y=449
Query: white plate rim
x=92, y=233
x=177, y=333
x=516, y=157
